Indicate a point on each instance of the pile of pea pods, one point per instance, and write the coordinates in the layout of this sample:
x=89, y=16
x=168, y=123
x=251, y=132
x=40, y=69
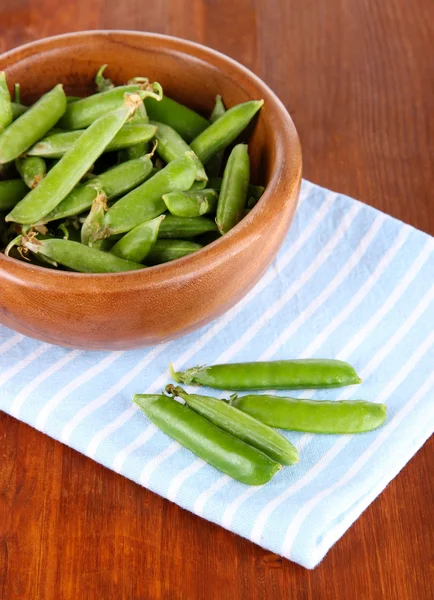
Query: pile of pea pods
x=237, y=435
x=119, y=180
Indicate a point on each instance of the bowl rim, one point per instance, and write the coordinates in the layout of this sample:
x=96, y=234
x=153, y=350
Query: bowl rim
x=200, y=260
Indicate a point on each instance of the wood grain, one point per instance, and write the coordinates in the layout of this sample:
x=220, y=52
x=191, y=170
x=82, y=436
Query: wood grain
x=357, y=76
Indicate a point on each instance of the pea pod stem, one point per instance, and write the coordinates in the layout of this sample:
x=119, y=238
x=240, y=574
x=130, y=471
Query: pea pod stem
x=314, y=416
x=282, y=374
x=220, y=449
x=240, y=424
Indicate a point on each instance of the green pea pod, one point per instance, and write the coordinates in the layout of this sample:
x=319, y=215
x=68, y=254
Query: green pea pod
x=115, y=182
x=166, y=250
x=32, y=170
x=315, y=416
x=84, y=112
x=6, y=115
x=191, y=203
x=185, y=227
x=225, y=130
x=188, y=123
x=11, y=192
x=136, y=244
x=32, y=125
x=146, y=202
x=241, y=425
x=94, y=220
x=62, y=178
x=215, y=163
x=58, y=144
x=220, y=449
x=254, y=191
x=18, y=110
x=276, y=375
x=76, y=256
x=103, y=83
x=233, y=195
x=171, y=146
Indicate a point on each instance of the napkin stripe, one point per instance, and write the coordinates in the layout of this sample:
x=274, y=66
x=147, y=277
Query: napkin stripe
x=11, y=342
x=101, y=400
x=33, y=384
x=22, y=364
x=399, y=290
x=359, y=296
x=64, y=392
x=339, y=279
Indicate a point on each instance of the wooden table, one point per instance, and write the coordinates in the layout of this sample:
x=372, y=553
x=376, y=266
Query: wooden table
x=357, y=77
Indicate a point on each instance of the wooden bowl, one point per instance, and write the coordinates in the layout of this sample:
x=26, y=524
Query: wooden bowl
x=141, y=308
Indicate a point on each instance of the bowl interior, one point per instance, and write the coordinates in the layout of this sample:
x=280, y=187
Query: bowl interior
x=188, y=73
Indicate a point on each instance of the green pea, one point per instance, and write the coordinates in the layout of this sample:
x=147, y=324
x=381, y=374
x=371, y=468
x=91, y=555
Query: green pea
x=278, y=375
x=57, y=144
x=182, y=119
x=6, y=115
x=146, y=202
x=220, y=449
x=191, y=203
x=32, y=125
x=185, y=227
x=166, y=250
x=315, y=416
x=171, y=146
x=84, y=112
x=233, y=194
x=115, y=182
x=225, y=130
x=240, y=425
x=62, y=178
x=136, y=244
x=78, y=257
x=215, y=163
x=11, y=192
x=32, y=170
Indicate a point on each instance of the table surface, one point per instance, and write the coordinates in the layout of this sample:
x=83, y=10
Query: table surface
x=357, y=77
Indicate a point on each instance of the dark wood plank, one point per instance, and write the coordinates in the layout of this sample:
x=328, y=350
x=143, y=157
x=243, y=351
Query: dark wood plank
x=357, y=77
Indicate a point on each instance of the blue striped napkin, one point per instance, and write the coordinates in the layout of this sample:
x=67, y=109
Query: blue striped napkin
x=349, y=283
